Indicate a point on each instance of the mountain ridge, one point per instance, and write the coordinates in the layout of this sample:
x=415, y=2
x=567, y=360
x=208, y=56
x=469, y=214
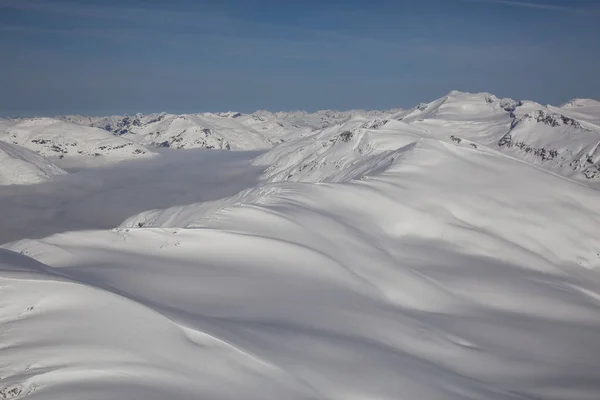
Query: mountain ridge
x=563, y=139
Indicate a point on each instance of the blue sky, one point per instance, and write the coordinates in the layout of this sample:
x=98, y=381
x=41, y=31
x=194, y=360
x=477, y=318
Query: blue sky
x=106, y=56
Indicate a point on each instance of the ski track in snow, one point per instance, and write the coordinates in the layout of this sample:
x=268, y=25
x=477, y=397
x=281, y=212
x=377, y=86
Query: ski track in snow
x=373, y=260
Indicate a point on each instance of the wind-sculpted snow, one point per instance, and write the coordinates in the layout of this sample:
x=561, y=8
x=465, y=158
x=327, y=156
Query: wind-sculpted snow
x=69, y=339
x=478, y=189
x=399, y=256
x=451, y=273
x=19, y=166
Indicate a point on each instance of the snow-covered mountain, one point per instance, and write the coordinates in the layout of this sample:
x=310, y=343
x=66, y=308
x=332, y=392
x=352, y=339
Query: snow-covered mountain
x=562, y=139
x=226, y=130
x=19, y=166
x=557, y=142
x=50, y=137
x=212, y=131
x=448, y=251
x=524, y=130
x=542, y=135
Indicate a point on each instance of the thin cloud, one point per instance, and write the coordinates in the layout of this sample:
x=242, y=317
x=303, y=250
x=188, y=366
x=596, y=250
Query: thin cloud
x=204, y=22
x=539, y=6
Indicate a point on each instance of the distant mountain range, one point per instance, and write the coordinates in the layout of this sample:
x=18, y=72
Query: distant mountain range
x=562, y=139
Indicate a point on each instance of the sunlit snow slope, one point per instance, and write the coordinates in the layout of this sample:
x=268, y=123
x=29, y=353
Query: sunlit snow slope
x=19, y=166
x=54, y=138
x=405, y=257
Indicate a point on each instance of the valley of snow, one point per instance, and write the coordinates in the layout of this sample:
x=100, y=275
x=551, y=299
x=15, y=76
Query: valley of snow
x=448, y=251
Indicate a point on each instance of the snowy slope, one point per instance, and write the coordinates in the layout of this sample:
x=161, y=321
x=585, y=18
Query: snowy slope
x=447, y=272
x=451, y=178
x=343, y=152
x=541, y=135
x=208, y=131
x=54, y=138
x=340, y=153
x=86, y=343
x=584, y=109
x=479, y=117
x=417, y=254
x=525, y=130
x=4, y=123
x=19, y=166
x=557, y=142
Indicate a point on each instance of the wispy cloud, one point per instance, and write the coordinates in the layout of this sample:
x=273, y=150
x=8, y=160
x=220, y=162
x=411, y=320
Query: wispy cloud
x=198, y=21
x=539, y=6
x=214, y=29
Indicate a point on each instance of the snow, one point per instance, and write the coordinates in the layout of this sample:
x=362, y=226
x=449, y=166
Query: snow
x=59, y=139
x=587, y=109
x=564, y=144
x=402, y=255
x=5, y=123
x=226, y=130
x=19, y=166
x=83, y=342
